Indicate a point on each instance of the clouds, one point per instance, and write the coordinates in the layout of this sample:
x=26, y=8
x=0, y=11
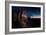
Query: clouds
x=31, y=11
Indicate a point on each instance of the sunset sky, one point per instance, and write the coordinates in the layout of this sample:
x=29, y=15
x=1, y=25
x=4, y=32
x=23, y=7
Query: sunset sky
x=31, y=11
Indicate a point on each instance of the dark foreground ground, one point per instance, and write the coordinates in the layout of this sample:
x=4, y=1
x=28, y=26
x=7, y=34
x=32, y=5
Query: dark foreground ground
x=33, y=23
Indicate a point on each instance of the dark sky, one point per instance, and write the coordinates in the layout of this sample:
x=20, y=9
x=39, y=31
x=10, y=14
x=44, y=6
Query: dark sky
x=31, y=11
